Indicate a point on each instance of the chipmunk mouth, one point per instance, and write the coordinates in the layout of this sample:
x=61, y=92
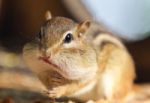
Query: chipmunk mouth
x=56, y=67
x=46, y=60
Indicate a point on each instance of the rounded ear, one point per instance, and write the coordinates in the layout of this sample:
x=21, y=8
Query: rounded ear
x=83, y=27
x=48, y=15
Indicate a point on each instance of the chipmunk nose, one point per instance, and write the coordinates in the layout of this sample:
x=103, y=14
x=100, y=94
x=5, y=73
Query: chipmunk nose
x=49, y=52
x=48, y=56
x=45, y=54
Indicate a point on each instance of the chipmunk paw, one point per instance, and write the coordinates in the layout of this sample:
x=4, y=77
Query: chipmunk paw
x=56, y=92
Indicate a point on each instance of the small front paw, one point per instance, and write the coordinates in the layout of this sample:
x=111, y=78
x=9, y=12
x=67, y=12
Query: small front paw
x=56, y=92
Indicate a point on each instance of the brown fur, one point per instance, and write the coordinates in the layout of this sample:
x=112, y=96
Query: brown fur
x=54, y=29
x=87, y=70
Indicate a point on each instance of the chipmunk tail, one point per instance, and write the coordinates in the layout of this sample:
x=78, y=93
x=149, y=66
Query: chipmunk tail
x=105, y=37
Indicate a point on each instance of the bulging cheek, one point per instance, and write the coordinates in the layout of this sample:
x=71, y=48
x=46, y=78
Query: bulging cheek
x=71, y=68
x=63, y=65
x=59, y=61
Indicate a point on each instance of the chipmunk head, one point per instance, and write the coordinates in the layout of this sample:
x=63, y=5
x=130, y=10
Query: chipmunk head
x=62, y=44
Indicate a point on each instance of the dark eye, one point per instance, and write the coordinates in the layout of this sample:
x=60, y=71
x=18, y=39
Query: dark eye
x=68, y=38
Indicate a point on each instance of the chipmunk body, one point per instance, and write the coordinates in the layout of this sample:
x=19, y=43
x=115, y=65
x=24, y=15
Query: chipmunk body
x=70, y=65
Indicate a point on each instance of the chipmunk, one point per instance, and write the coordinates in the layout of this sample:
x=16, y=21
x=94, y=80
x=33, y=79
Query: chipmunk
x=68, y=64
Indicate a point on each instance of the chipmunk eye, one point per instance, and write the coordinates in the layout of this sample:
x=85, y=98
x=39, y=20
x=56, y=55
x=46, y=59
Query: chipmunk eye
x=68, y=38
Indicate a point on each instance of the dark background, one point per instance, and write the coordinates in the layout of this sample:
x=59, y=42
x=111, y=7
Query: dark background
x=20, y=21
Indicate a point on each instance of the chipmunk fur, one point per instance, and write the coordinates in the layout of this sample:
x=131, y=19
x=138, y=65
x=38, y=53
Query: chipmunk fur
x=70, y=65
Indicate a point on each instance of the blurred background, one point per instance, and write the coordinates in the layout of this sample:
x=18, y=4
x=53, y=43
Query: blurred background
x=20, y=21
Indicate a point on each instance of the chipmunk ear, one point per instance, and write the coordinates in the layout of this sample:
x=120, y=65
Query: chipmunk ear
x=83, y=27
x=48, y=15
